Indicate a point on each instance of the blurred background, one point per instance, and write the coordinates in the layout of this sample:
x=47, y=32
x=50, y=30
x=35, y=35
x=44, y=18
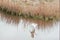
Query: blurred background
x=15, y=28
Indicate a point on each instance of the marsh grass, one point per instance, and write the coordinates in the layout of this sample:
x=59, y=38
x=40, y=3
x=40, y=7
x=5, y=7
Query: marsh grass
x=41, y=20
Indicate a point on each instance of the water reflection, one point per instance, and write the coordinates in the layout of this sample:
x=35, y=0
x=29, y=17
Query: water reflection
x=16, y=19
x=30, y=24
x=9, y=18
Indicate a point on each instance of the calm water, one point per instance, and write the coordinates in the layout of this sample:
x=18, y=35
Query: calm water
x=15, y=28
